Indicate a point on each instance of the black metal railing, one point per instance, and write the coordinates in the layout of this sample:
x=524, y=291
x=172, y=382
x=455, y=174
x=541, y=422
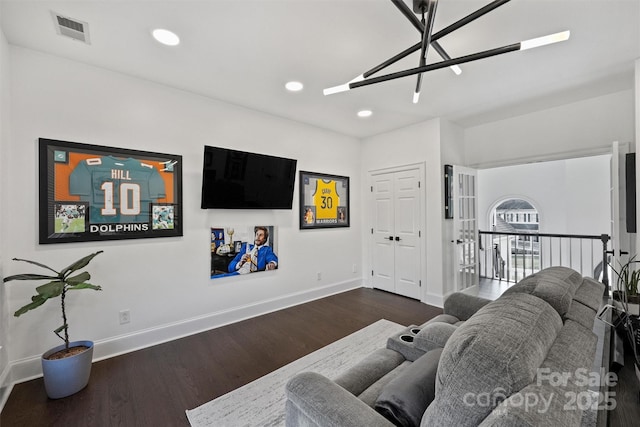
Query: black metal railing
x=513, y=256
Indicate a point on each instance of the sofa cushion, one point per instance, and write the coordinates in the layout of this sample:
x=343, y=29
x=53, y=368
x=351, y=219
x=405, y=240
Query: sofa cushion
x=590, y=293
x=573, y=348
x=434, y=335
x=534, y=405
x=555, y=285
x=370, y=395
x=563, y=377
x=441, y=318
x=566, y=274
x=369, y=370
x=581, y=313
x=494, y=354
x=462, y=305
x=314, y=400
x=404, y=399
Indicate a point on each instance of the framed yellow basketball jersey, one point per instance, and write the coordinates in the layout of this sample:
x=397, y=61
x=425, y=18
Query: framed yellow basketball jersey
x=326, y=199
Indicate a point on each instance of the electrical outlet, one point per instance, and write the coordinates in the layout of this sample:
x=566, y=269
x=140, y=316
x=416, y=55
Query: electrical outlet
x=354, y=268
x=319, y=275
x=125, y=316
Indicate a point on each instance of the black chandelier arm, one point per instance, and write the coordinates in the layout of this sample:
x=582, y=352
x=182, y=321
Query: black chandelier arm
x=428, y=29
x=393, y=60
x=436, y=46
x=447, y=30
x=469, y=18
x=408, y=13
x=426, y=39
x=443, y=64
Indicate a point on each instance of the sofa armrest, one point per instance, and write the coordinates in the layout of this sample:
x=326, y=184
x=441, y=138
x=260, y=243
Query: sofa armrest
x=314, y=400
x=463, y=306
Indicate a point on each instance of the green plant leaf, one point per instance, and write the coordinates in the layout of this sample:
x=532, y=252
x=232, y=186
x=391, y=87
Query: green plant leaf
x=28, y=277
x=56, y=287
x=627, y=279
x=84, y=286
x=37, y=301
x=51, y=289
x=79, y=278
x=81, y=263
x=36, y=263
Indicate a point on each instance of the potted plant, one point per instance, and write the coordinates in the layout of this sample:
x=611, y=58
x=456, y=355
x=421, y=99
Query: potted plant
x=626, y=289
x=65, y=368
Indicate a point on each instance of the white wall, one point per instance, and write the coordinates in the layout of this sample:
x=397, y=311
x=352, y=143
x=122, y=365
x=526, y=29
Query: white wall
x=572, y=196
x=581, y=128
x=163, y=282
x=4, y=126
x=419, y=143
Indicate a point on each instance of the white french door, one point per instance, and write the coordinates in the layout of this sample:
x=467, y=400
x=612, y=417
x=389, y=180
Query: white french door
x=465, y=211
x=396, y=251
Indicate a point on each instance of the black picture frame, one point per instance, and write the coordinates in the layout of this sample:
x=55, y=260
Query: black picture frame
x=80, y=188
x=324, y=201
x=448, y=191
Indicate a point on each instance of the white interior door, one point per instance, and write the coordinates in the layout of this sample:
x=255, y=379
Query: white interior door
x=383, y=233
x=396, y=254
x=465, y=211
x=407, y=233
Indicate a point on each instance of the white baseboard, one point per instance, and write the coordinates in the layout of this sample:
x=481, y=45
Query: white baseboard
x=5, y=386
x=30, y=368
x=4, y=395
x=434, y=299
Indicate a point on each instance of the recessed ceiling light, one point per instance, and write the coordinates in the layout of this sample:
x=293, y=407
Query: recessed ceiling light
x=294, y=86
x=365, y=113
x=166, y=37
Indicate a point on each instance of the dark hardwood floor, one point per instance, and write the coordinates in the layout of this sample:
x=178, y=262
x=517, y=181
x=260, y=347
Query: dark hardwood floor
x=154, y=386
x=626, y=393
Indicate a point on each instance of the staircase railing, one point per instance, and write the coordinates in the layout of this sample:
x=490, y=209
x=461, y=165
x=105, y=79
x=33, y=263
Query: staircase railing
x=513, y=256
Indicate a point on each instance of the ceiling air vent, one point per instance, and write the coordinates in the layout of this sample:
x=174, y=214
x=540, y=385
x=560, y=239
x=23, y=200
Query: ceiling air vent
x=69, y=27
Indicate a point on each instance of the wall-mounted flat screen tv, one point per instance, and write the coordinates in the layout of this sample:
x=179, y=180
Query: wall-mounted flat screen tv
x=234, y=179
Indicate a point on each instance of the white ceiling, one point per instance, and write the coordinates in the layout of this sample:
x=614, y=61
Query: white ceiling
x=242, y=52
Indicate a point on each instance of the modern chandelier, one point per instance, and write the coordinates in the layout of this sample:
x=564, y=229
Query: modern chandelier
x=427, y=9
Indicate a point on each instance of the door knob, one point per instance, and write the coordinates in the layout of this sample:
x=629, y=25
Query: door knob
x=390, y=237
x=397, y=239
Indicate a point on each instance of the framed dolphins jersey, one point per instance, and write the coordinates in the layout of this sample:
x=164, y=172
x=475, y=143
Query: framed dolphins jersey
x=90, y=192
x=324, y=200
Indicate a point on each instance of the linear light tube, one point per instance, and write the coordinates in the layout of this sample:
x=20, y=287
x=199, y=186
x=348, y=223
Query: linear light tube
x=336, y=89
x=545, y=40
x=342, y=88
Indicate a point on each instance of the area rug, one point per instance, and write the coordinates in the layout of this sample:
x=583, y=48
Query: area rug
x=261, y=402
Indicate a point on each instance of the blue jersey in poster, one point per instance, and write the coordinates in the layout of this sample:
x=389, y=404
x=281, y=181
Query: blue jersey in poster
x=118, y=190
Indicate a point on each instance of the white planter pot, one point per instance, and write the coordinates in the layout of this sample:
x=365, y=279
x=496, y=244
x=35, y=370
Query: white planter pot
x=64, y=377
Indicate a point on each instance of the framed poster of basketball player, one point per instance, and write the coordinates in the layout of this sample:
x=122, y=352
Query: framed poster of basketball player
x=238, y=250
x=91, y=192
x=324, y=200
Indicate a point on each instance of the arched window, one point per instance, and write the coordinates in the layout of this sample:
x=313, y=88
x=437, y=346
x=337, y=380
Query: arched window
x=515, y=215
x=516, y=247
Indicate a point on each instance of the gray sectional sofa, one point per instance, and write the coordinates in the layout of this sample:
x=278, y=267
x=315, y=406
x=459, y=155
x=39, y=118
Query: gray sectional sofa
x=520, y=360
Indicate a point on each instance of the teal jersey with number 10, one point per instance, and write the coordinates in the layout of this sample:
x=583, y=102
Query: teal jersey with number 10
x=118, y=190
